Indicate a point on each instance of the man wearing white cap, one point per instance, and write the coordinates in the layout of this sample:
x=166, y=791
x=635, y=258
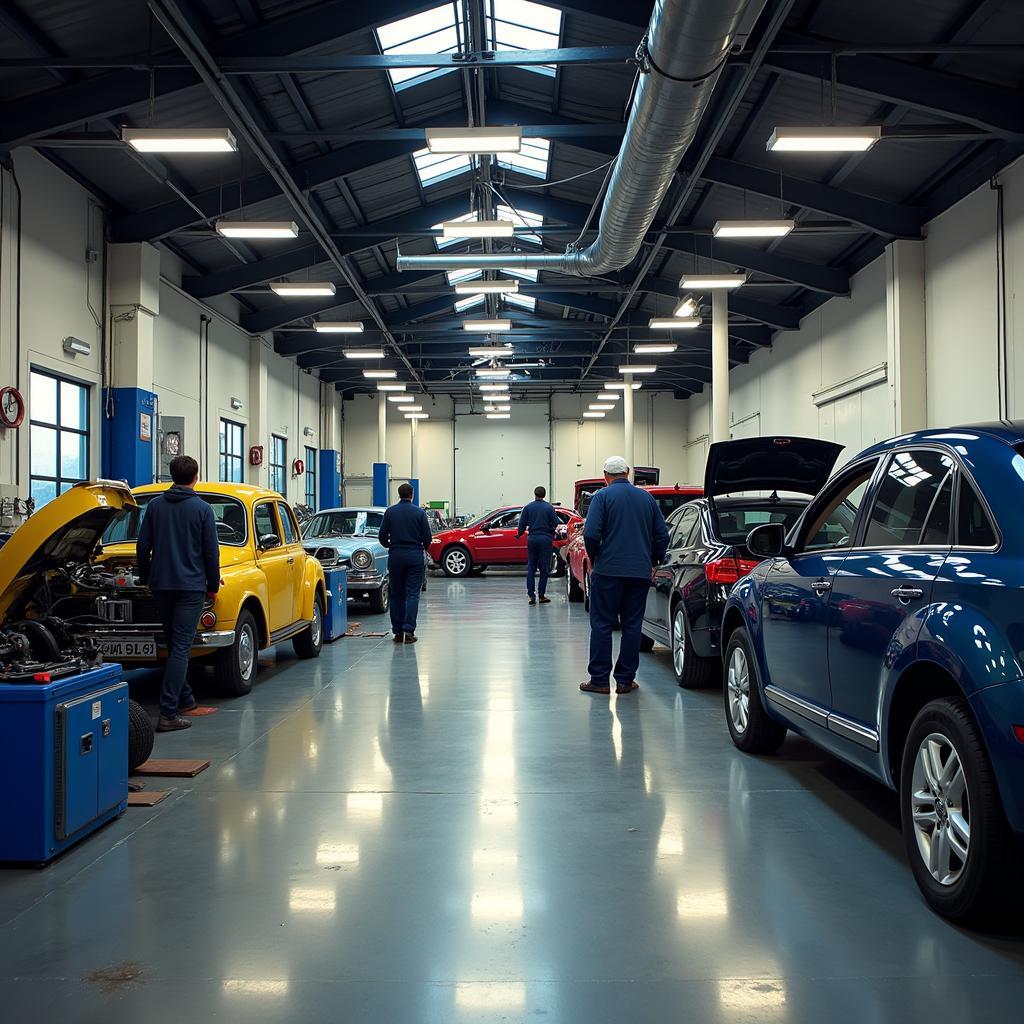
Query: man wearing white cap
x=625, y=536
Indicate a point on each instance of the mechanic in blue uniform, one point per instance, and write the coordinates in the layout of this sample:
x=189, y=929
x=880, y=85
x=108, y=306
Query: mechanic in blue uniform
x=625, y=537
x=540, y=519
x=405, y=532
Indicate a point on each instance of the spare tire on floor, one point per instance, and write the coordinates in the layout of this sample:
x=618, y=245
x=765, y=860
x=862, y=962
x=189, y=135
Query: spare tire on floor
x=140, y=736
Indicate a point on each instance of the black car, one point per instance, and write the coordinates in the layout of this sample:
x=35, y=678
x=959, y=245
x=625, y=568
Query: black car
x=707, y=550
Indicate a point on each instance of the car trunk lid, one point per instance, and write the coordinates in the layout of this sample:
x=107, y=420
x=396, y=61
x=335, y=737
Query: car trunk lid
x=775, y=463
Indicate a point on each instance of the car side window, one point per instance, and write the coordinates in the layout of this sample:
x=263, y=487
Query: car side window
x=833, y=517
x=914, y=483
x=974, y=529
x=291, y=531
x=506, y=521
x=265, y=520
x=684, y=528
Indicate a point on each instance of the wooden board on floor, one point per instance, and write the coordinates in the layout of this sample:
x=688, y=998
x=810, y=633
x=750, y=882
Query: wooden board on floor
x=184, y=768
x=147, y=798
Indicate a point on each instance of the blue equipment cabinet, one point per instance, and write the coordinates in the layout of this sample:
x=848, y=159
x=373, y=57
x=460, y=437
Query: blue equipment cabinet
x=336, y=619
x=63, y=761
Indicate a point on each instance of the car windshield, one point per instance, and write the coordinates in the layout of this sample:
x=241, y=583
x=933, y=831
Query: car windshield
x=736, y=521
x=479, y=519
x=228, y=512
x=346, y=523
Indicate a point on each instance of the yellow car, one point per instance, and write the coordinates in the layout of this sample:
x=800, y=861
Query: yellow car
x=271, y=589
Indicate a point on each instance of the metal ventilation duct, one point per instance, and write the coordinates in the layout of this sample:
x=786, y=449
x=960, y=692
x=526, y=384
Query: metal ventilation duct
x=682, y=55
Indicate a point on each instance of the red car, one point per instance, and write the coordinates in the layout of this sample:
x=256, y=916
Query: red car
x=589, y=486
x=577, y=575
x=491, y=540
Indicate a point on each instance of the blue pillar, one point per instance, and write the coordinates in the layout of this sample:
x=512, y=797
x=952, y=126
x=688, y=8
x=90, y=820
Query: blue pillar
x=415, y=490
x=128, y=437
x=330, y=478
x=380, y=484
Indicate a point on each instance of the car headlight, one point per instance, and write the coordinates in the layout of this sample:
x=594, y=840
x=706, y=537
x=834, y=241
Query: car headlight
x=362, y=559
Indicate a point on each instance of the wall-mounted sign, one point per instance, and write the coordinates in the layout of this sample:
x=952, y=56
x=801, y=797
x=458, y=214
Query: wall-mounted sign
x=145, y=426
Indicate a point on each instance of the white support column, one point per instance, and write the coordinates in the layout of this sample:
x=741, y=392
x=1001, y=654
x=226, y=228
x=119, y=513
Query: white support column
x=719, y=365
x=627, y=419
x=259, y=422
x=414, y=440
x=905, y=331
x=382, y=426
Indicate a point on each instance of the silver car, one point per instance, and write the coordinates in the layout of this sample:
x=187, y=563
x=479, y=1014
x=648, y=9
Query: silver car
x=346, y=538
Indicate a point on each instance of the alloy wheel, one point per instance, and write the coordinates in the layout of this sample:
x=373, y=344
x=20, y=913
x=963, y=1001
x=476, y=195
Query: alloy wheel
x=679, y=642
x=940, y=805
x=738, y=682
x=456, y=563
x=316, y=625
x=246, y=652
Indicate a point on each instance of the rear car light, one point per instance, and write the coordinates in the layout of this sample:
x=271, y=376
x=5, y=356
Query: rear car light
x=729, y=570
x=1018, y=731
x=207, y=620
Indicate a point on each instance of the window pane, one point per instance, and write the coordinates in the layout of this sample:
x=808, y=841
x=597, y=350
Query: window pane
x=291, y=533
x=912, y=482
x=936, y=530
x=43, y=399
x=43, y=491
x=43, y=451
x=265, y=522
x=74, y=408
x=416, y=25
x=833, y=522
x=73, y=456
x=974, y=529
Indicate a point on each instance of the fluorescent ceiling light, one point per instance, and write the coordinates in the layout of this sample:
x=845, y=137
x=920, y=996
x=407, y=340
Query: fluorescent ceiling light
x=411, y=408
x=608, y=396
x=752, y=228
x=478, y=229
x=654, y=349
x=475, y=140
x=486, y=326
x=640, y=368
x=417, y=416
x=601, y=406
x=499, y=416
x=593, y=415
x=380, y=374
x=401, y=398
x=621, y=385
x=291, y=289
x=257, y=228
x=713, y=281
x=497, y=408
x=390, y=387
x=180, y=140
x=831, y=139
x=338, y=326
x=493, y=387
x=493, y=371
x=364, y=353
x=486, y=351
x=686, y=308
x=498, y=287
x=673, y=323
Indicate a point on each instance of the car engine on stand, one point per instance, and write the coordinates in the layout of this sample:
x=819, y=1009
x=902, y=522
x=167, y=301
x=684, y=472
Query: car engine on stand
x=40, y=650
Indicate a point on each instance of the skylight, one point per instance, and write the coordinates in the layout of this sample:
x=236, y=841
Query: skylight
x=523, y=273
x=532, y=159
x=458, y=276
x=434, y=167
x=444, y=243
x=522, y=25
x=470, y=302
x=522, y=301
x=438, y=30
x=522, y=219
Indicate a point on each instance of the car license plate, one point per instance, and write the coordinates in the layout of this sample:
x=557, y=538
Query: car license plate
x=127, y=647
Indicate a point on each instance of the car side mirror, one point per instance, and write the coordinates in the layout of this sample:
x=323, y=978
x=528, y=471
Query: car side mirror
x=485, y=528
x=767, y=541
x=268, y=541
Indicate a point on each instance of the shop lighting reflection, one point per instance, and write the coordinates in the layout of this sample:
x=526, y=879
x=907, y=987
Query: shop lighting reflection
x=488, y=995
x=364, y=805
x=498, y=905
x=255, y=986
x=486, y=857
x=702, y=904
x=337, y=853
x=751, y=996
x=312, y=901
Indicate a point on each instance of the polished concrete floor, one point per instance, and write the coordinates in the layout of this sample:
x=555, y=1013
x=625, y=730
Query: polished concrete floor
x=452, y=832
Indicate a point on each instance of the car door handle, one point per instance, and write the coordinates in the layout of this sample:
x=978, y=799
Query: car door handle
x=906, y=593
x=821, y=586
x=291, y=558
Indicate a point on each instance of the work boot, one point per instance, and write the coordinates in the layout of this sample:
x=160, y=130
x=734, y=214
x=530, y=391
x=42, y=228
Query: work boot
x=410, y=638
x=545, y=600
x=175, y=724
x=398, y=638
x=533, y=600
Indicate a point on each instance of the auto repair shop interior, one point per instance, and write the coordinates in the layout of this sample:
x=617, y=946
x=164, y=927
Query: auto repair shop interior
x=768, y=253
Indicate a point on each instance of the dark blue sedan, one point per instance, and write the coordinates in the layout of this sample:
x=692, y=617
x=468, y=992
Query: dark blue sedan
x=887, y=626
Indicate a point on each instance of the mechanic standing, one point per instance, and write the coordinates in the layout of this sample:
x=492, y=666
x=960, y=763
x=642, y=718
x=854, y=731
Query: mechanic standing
x=625, y=537
x=540, y=519
x=405, y=532
x=179, y=560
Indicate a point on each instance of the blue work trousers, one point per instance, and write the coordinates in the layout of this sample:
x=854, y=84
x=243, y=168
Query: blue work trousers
x=179, y=614
x=615, y=599
x=538, y=551
x=406, y=570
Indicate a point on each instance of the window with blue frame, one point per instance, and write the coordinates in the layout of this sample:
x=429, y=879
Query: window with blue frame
x=279, y=464
x=232, y=445
x=310, y=477
x=58, y=435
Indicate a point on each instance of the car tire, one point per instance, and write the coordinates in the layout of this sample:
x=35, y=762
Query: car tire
x=477, y=570
x=943, y=738
x=141, y=736
x=236, y=665
x=557, y=565
x=310, y=642
x=749, y=725
x=691, y=671
x=380, y=599
x=456, y=561
x=573, y=590
x=646, y=643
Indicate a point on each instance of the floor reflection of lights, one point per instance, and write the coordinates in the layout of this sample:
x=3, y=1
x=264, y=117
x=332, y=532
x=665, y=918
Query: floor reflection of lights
x=671, y=842
x=755, y=996
x=364, y=805
x=498, y=809
x=491, y=857
x=702, y=904
x=255, y=986
x=337, y=853
x=313, y=901
x=497, y=904
x=485, y=995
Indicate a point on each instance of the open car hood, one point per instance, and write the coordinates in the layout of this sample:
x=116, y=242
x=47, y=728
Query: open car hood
x=66, y=529
x=798, y=464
